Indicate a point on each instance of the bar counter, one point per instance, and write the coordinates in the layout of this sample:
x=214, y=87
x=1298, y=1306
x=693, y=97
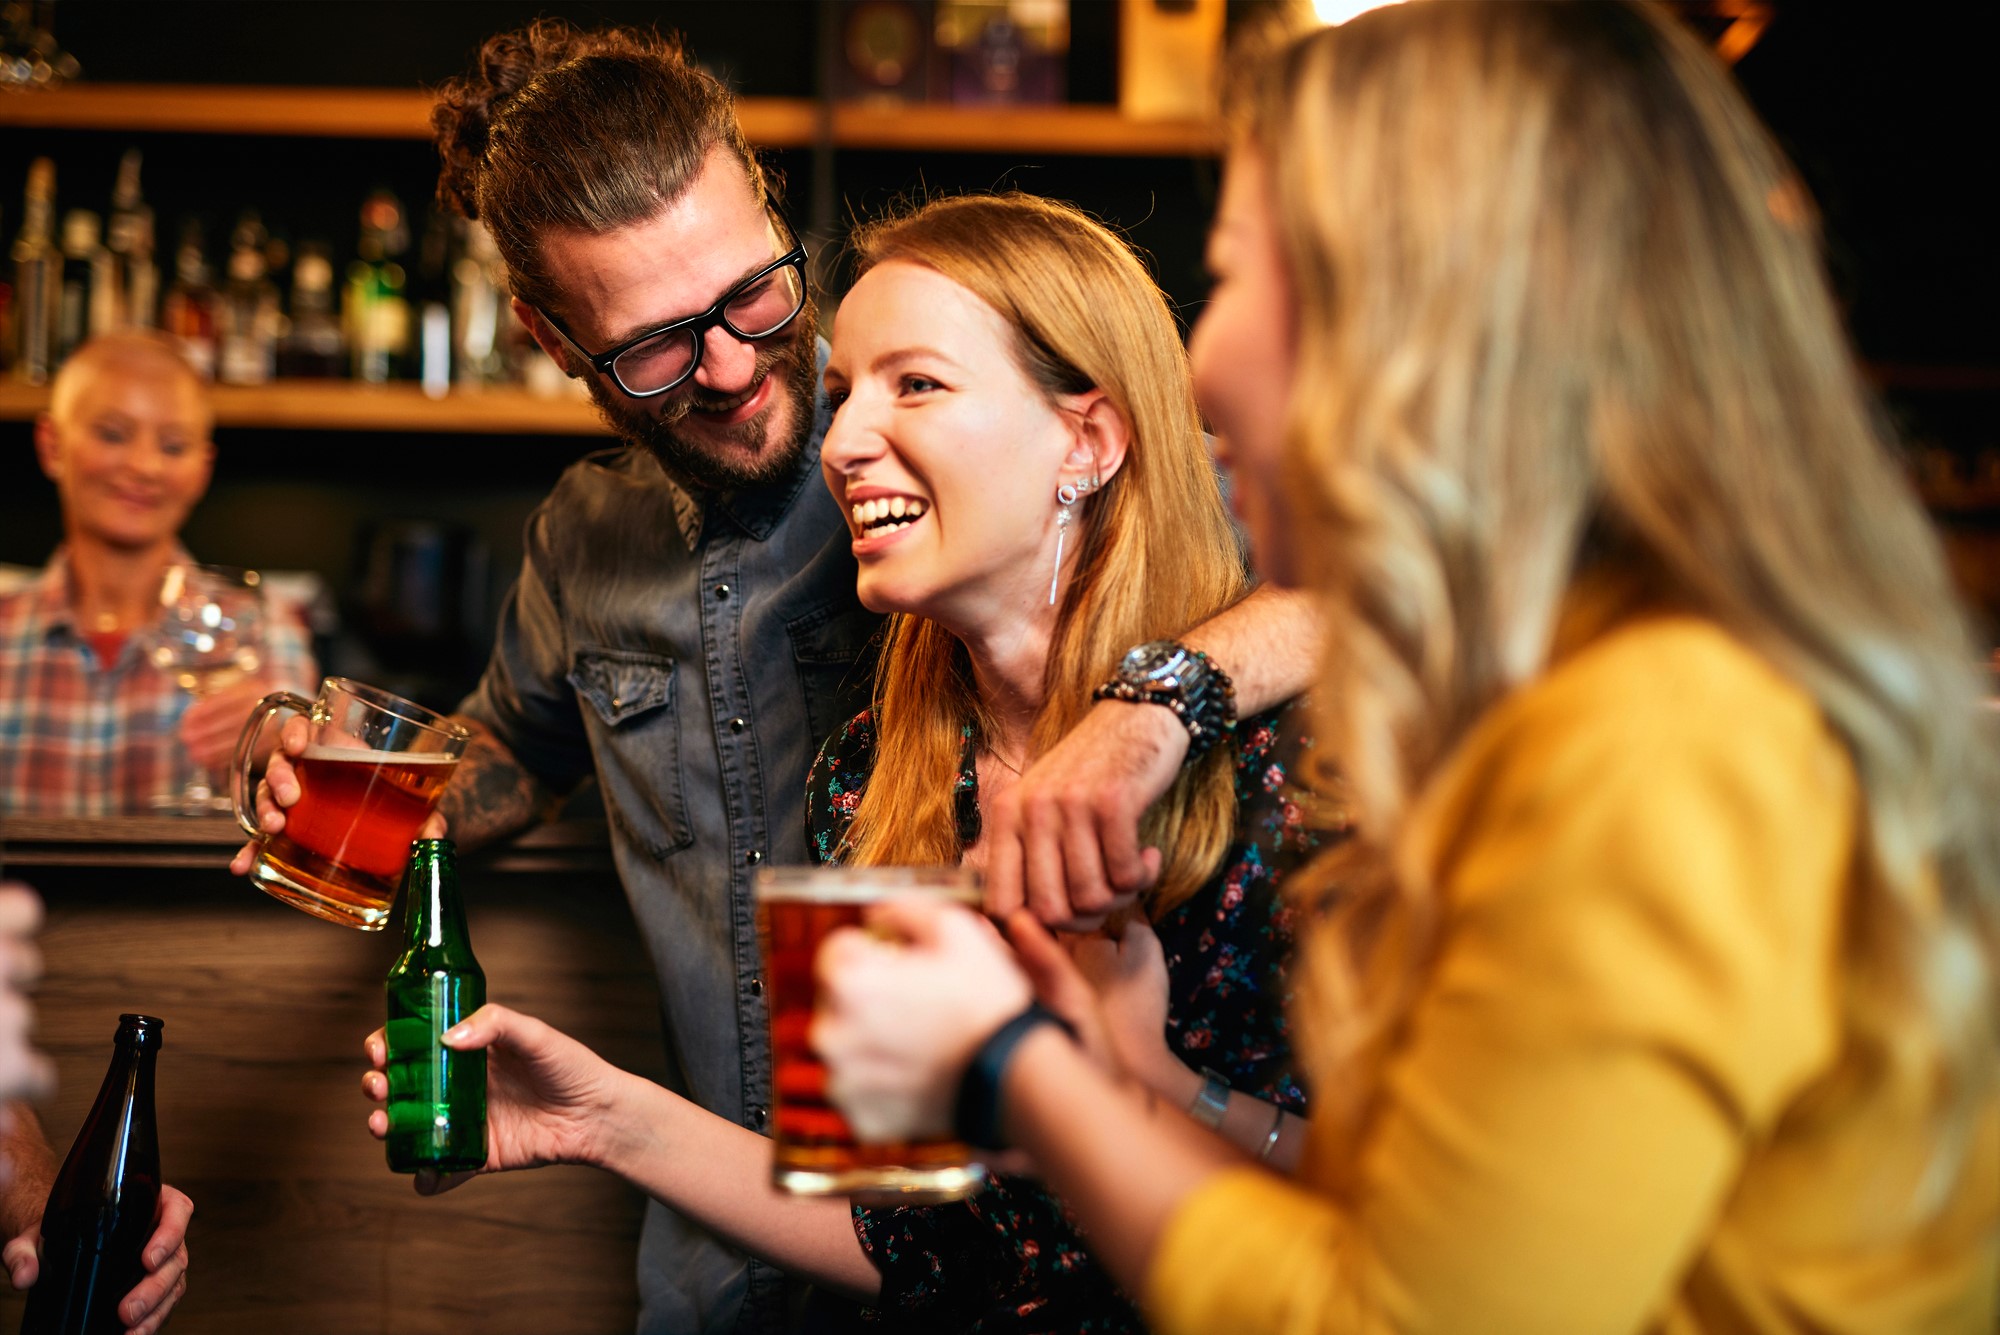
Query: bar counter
x=299, y=1225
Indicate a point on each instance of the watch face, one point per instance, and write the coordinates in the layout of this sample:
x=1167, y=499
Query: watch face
x=1157, y=660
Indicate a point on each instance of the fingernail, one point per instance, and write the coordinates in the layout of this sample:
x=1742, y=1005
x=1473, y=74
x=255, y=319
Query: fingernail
x=454, y=1034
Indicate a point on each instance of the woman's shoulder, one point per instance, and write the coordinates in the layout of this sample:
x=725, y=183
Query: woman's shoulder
x=1679, y=679
x=851, y=741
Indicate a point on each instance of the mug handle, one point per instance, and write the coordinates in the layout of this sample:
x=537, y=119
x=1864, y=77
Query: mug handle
x=246, y=745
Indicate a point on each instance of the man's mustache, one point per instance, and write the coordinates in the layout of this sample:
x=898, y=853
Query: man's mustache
x=695, y=396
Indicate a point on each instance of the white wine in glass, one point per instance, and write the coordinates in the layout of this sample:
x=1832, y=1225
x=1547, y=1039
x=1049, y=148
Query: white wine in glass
x=210, y=636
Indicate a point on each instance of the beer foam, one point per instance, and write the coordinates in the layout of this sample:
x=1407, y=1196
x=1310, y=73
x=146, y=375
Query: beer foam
x=354, y=754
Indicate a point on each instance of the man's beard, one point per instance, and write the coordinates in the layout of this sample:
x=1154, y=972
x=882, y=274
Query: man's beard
x=693, y=461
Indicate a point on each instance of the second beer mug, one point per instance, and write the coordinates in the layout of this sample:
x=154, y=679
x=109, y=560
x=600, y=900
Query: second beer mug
x=817, y=1153
x=373, y=769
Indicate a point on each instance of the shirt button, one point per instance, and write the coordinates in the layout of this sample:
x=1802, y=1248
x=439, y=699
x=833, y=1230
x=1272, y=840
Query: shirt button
x=617, y=702
x=756, y=987
x=753, y=857
x=757, y=1115
x=737, y=725
x=721, y=592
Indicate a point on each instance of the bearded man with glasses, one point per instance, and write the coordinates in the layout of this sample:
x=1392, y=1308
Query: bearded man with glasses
x=685, y=627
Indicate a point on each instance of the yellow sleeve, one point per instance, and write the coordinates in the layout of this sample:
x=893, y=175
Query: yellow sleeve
x=1641, y=861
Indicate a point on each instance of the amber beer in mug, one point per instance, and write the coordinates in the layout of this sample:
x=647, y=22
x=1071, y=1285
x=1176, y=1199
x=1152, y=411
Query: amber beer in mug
x=816, y=1153
x=371, y=774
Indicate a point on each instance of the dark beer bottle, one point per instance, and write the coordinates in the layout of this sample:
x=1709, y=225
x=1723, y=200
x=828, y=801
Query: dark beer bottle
x=437, y=1097
x=101, y=1211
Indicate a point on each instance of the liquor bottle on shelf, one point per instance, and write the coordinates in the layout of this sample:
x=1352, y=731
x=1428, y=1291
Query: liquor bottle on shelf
x=100, y=1211
x=378, y=312
x=247, y=323
x=437, y=1096
x=37, y=278
x=128, y=235
x=479, y=310
x=189, y=313
x=430, y=294
x=89, y=301
x=313, y=347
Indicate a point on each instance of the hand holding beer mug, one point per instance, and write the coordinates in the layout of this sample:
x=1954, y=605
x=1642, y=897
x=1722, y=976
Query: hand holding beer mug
x=817, y=1153
x=373, y=768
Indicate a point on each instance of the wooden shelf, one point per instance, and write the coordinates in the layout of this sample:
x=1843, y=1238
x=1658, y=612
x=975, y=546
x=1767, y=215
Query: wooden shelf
x=341, y=405
x=770, y=122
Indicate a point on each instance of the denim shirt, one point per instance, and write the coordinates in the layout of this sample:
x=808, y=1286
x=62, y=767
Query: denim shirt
x=692, y=653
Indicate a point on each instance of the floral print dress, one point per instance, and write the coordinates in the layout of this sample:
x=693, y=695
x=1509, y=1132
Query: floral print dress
x=1011, y=1259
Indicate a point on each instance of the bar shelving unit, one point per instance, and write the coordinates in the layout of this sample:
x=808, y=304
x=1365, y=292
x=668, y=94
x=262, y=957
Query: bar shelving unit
x=770, y=122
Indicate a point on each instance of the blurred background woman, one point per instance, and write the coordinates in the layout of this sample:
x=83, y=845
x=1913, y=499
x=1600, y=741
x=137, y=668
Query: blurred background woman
x=1661, y=991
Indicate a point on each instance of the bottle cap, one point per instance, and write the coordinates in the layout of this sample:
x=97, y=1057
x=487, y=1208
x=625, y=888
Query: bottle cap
x=148, y=1030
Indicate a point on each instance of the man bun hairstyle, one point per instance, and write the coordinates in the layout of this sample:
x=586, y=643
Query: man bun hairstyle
x=593, y=130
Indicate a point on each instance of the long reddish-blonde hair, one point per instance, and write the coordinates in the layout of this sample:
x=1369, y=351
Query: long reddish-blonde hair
x=1157, y=553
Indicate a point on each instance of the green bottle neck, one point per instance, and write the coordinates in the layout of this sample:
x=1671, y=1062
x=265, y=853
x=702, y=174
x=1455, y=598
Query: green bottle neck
x=433, y=914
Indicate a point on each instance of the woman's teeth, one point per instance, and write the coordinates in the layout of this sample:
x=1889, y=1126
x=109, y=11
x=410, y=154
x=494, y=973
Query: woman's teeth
x=879, y=516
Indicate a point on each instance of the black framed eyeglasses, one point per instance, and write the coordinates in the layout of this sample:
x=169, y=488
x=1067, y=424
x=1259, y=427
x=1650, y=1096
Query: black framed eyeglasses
x=661, y=359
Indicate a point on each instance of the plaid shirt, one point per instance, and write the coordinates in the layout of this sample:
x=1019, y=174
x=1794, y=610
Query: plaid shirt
x=81, y=737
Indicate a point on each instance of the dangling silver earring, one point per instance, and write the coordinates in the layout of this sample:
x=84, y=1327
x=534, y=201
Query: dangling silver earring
x=1066, y=497
x=1065, y=515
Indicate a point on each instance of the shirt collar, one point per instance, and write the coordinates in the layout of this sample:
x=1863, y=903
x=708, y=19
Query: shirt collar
x=55, y=600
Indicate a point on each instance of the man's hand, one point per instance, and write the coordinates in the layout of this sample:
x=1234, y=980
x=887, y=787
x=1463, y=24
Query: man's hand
x=1064, y=840
x=146, y=1308
x=278, y=789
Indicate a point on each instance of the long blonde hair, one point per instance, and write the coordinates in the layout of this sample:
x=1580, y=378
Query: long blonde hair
x=1157, y=553
x=1560, y=308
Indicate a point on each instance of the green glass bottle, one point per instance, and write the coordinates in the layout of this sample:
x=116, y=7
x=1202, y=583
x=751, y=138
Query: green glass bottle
x=437, y=1097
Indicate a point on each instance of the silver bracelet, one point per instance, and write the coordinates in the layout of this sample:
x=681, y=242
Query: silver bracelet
x=1211, y=1101
x=1271, y=1140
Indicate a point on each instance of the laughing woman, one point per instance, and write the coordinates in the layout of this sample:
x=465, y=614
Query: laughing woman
x=1015, y=442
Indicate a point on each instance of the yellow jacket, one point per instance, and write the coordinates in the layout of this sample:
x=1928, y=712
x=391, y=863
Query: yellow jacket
x=1595, y=1121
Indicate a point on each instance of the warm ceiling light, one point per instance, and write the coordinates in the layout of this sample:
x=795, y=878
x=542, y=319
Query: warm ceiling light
x=1340, y=11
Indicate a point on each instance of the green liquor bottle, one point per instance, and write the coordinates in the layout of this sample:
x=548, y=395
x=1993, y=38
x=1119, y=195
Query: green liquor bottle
x=437, y=1097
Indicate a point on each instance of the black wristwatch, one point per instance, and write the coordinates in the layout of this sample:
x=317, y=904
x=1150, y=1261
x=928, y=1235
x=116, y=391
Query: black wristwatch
x=1162, y=672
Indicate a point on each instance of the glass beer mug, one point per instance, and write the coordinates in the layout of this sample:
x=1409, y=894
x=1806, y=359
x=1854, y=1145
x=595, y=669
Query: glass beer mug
x=817, y=1153
x=371, y=774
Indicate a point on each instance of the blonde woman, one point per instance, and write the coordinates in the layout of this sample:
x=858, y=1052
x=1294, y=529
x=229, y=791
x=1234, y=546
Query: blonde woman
x=1662, y=994
x=1015, y=443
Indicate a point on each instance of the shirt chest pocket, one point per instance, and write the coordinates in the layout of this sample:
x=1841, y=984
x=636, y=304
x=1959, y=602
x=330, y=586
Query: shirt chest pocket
x=630, y=712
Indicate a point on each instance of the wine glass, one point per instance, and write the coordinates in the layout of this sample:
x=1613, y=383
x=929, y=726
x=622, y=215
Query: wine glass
x=210, y=635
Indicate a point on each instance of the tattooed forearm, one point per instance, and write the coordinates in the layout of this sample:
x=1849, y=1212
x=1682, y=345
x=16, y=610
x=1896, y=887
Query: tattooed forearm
x=492, y=796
